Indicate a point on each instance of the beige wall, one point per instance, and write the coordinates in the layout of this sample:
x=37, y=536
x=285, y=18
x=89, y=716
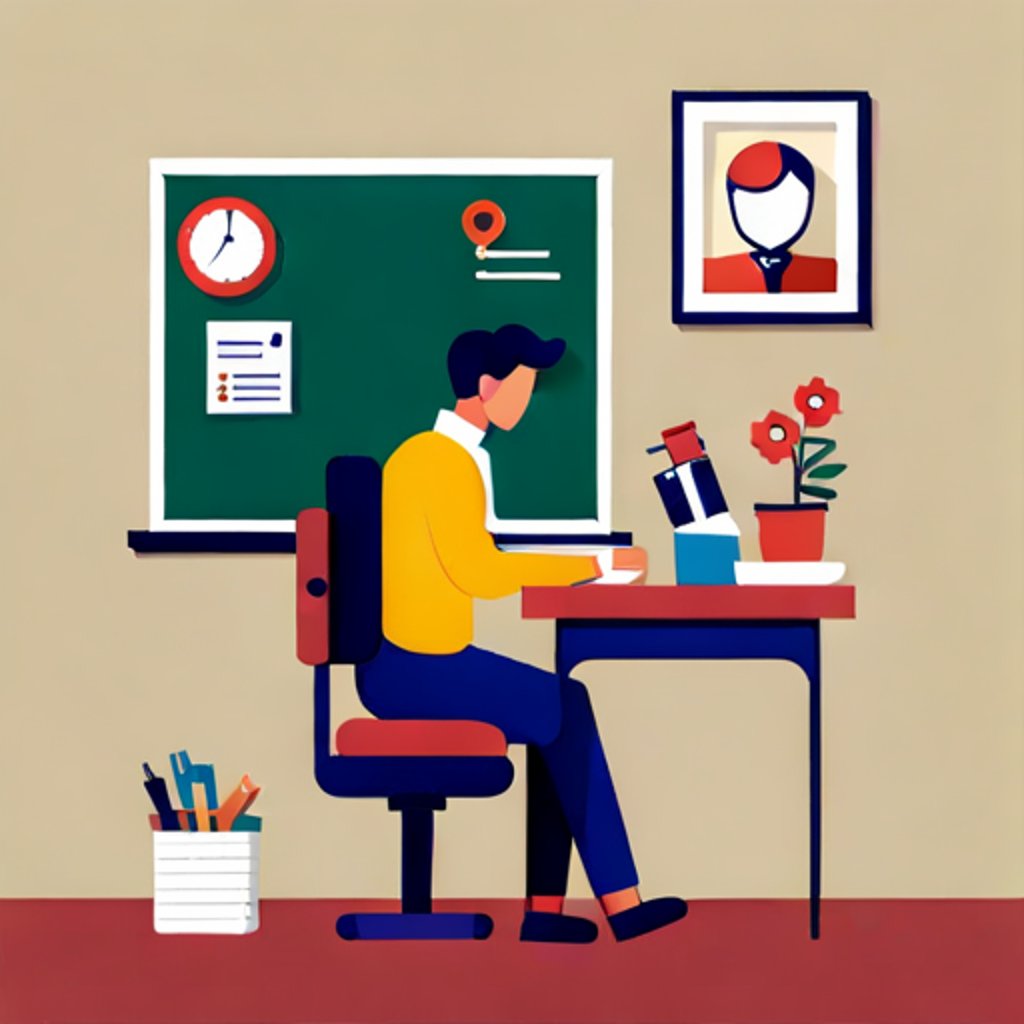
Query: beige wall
x=107, y=660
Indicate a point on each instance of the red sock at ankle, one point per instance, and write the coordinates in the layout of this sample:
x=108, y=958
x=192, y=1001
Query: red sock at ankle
x=545, y=904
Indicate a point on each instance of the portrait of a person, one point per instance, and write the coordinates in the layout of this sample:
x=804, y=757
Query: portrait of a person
x=770, y=188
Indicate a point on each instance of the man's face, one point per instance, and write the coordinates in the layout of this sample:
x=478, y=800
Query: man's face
x=506, y=400
x=775, y=218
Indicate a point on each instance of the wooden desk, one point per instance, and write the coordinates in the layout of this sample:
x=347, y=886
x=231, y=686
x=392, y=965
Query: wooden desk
x=597, y=623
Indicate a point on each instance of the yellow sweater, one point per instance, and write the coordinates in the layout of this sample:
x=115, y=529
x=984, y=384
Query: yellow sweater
x=437, y=553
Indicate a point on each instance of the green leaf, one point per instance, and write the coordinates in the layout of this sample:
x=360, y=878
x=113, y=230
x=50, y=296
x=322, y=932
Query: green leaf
x=825, y=449
x=827, y=472
x=818, y=492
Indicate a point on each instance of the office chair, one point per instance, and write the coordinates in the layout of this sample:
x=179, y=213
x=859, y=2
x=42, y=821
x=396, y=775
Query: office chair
x=416, y=765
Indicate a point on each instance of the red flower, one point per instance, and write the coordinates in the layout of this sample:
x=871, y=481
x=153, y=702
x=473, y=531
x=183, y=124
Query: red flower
x=817, y=401
x=775, y=436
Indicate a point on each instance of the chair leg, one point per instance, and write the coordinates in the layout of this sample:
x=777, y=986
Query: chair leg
x=417, y=859
x=416, y=921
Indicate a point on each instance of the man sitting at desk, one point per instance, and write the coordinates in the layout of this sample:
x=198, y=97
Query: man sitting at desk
x=437, y=557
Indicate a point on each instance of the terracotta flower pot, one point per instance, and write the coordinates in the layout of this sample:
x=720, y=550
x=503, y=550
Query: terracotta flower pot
x=792, y=533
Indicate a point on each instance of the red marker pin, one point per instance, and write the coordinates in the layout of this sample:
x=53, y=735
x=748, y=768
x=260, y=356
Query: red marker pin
x=483, y=221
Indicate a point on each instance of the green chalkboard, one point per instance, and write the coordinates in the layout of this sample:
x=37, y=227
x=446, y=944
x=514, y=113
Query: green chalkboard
x=376, y=276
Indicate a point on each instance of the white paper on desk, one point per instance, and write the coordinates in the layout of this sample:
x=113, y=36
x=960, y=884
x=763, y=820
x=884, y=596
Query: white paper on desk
x=248, y=367
x=617, y=576
x=554, y=549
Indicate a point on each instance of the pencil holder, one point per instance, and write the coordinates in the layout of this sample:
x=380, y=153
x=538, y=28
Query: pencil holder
x=206, y=883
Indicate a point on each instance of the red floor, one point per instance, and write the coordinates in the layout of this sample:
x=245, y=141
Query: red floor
x=729, y=962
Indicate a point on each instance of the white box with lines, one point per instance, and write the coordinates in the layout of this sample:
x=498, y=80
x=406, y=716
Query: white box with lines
x=206, y=883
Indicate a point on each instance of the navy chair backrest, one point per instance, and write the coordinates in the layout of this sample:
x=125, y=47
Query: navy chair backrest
x=354, y=504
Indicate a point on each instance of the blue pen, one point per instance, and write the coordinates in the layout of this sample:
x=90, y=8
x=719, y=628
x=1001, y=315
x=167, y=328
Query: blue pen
x=186, y=774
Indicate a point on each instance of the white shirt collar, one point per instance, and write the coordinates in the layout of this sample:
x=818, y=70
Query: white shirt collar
x=459, y=430
x=463, y=433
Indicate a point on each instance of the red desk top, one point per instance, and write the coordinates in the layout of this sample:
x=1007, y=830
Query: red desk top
x=639, y=601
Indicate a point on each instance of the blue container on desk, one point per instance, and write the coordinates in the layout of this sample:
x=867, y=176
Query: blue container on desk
x=706, y=558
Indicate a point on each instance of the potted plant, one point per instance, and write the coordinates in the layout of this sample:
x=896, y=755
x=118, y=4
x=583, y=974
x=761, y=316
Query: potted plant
x=795, y=532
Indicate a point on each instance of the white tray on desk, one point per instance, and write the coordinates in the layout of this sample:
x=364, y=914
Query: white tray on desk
x=785, y=574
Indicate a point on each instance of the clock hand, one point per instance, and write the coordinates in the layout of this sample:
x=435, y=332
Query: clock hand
x=227, y=238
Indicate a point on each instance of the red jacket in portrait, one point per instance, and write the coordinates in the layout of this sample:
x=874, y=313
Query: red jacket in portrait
x=740, y=273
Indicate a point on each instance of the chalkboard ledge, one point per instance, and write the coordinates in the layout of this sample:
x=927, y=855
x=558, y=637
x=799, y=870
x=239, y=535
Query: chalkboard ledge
x=152, y=542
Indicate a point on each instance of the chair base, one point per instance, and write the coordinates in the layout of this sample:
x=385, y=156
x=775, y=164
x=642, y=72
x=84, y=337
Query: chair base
x=414, y=926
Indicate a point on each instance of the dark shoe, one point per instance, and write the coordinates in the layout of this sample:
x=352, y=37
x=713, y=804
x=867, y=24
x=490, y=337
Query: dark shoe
x=541, y=927
x=646, y=917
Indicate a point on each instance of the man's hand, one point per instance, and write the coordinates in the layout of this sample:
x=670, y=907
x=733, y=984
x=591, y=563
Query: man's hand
x=631, y=558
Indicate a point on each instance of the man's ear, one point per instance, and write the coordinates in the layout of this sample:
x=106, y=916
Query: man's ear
x=488, y=386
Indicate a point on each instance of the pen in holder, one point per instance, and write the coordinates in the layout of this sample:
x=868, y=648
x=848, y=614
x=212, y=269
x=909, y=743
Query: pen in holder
x=157, y=790
x=188, y=775
x=706, y=536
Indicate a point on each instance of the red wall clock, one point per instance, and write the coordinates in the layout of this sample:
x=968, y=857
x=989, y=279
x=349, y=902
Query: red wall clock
x=227, y=246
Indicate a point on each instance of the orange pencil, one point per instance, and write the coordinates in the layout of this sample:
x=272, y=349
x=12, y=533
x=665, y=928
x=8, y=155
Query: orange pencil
x=238, y=802
x=202, y=809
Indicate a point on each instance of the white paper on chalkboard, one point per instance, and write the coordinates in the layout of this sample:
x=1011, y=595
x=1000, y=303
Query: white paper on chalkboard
x=248, y=367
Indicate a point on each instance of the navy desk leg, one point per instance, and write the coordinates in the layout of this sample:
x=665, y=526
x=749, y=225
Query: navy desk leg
x=815, y=808
x=796, y=641
x=806, y=655
x=563, y=662
x=812, y=669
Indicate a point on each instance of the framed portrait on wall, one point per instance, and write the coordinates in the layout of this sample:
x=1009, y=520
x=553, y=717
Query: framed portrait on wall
x=771, y=208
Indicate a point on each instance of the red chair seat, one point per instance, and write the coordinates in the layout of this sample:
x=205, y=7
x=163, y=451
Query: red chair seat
x=373, y=737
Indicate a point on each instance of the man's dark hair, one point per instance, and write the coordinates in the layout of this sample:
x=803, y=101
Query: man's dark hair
x=497, y=353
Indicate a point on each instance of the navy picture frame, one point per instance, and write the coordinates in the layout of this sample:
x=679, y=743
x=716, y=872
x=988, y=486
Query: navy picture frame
x=720, y=310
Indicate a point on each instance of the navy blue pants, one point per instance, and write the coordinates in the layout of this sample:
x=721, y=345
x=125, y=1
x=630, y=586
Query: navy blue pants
x=570, y=795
